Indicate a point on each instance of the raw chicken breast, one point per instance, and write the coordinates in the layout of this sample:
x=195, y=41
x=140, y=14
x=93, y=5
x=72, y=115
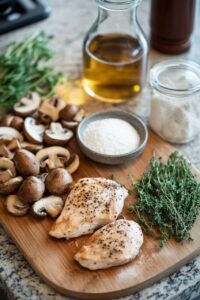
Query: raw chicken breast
x=114, y=244
x=92, y=203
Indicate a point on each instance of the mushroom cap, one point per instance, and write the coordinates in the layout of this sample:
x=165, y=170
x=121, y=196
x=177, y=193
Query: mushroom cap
x=51, y=108
x=27, y=105
x=7, y=164
x=31, y=190
x=8, y=133
x=17, y=123
x=44, y=119
x=14, y=145
x=53, y=157
x=48, y=112
x=56, y=135
x=57, y=102
x=6, y=120
x=15, y=206
x=26, y=163
x=69, y=112
x=57, y=181
x=5, y=152
x=10, y=186
x=31, y=147
x=72, y=125
x=32, y=131
x=5, y=175
x=73, y=164
x=79, y=116
x=51, y=205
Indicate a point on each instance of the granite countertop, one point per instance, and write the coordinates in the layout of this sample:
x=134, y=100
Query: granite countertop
x=68, y=23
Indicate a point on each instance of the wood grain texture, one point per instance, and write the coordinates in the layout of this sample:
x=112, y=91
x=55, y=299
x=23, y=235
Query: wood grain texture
x=53, y=259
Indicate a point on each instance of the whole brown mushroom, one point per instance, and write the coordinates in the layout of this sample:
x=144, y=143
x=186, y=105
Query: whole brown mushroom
x=69, y=112
x=17, y=123
x=26, y=163
x=31, y=190
x=58, y=181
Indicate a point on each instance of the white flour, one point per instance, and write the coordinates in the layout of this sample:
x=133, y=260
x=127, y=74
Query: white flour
x=111, y=136
x=176, y=120
x=176, y=117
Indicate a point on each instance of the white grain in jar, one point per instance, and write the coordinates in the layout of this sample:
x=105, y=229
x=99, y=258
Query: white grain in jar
x=175, y=103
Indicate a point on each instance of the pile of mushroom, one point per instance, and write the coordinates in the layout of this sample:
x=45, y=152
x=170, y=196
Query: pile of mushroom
x=35, y=165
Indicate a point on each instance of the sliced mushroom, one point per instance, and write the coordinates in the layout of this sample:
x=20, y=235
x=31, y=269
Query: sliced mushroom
x=10, y=186
x=7, y=169
x=72, y=125
x=44, y=119
x=5, y=152
x=15, y=206
x=69, y=112
x=27, y=105
x=79, y=116
x=53, y=157
x=12, y=121
x=5, y=175
x=17, y=123
x=58, y=181
x=57, y=135
x=6, y=120
x=51, y=205
x=31, y=190
x=8, y=133
x=26, y=163
x=48, y=112
x=50, y=109
x=32, y=131
x=31, y=147
x=14, y=145
x=73, y=164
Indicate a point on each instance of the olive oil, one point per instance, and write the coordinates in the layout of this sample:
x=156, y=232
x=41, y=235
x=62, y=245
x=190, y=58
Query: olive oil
x=114, y=67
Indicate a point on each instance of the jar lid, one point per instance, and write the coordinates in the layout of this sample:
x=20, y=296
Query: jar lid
x=176, y=78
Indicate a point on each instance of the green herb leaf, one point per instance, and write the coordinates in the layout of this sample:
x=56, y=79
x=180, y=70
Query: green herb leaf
x=168, y=199
x=23, y=69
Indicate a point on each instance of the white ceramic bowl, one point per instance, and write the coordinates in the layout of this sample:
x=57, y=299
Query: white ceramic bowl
x=132, y=119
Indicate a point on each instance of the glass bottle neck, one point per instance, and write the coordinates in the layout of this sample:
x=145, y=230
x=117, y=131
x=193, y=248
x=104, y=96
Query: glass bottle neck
x=118, y=5
x=111, y=20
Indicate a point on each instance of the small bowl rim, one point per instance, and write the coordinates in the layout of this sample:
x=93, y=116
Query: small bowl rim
x=113, y=111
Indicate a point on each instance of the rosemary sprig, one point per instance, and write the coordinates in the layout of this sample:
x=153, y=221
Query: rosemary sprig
x=23, y=69
x=168, y=199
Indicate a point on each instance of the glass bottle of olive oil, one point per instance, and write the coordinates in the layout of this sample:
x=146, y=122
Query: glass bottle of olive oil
x=115, y=53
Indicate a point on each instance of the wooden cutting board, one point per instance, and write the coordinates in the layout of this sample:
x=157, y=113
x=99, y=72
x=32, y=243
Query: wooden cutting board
x=53, y=260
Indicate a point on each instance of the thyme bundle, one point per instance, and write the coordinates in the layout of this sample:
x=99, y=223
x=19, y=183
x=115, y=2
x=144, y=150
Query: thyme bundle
x=168, y=199
x=23, y=69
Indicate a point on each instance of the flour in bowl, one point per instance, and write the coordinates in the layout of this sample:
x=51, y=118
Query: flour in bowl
x=111, y=136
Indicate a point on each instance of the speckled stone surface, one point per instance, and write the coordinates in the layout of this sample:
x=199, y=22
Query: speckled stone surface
x=68, y=23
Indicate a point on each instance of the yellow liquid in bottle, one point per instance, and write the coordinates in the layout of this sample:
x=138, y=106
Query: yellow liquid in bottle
x=114, y=67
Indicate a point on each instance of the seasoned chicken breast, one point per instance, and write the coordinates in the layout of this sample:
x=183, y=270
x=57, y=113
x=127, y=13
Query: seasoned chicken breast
x=114, y=244
x=92, y=203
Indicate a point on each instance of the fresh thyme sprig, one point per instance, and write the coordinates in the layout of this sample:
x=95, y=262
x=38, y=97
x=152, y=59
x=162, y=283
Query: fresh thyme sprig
x=168, y=199
x=23, y=69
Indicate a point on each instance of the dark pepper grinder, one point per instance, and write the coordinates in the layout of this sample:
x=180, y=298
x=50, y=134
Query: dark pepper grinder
x=172, y=25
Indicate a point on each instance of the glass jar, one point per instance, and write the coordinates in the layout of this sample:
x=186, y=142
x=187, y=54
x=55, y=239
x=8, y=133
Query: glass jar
x=115, y=52
x=175, y=103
